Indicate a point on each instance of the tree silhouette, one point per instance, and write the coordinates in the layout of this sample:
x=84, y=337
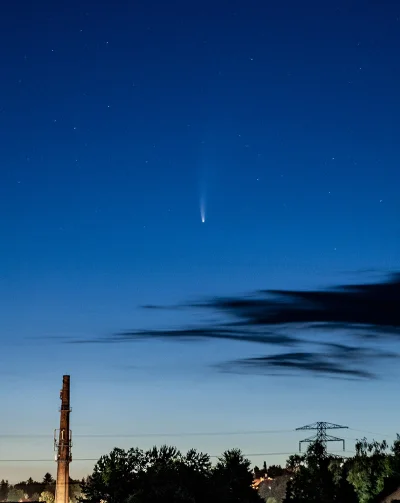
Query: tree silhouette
x=232, y=479
x=369, y=468
x=165, y=474
x=48, y=479
x=114, y=477
x=15, y=494
x=173, y=477
x=274, y=471
x=257, y=472
x=318, y=478
x=4, y=488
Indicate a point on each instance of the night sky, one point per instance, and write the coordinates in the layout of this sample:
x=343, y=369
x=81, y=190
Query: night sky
x=122, y=125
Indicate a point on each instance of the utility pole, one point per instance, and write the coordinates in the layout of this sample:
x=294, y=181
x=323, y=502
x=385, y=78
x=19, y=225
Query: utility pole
x=321, y=436
x=63, y=445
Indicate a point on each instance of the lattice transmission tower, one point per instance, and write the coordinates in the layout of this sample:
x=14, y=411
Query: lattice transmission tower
x=321, y=436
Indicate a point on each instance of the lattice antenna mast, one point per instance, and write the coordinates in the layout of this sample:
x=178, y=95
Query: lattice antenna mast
x=321, y=436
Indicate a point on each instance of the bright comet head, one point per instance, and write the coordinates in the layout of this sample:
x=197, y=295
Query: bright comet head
x=202, y=209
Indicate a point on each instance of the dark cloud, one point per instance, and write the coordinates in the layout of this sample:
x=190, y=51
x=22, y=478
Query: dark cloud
x=338, y=360
x=373, y=307
x=312, y=363
x=193, y=334
x=368, y=313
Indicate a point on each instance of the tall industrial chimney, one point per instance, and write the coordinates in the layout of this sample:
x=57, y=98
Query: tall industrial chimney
x=63, y=445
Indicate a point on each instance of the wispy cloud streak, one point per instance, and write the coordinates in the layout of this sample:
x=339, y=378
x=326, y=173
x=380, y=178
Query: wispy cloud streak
x=367, y=315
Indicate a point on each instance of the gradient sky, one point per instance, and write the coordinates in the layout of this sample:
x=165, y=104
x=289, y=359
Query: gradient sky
x=117, y=120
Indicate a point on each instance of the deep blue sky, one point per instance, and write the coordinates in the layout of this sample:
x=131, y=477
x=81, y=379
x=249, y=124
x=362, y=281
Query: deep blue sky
x=116, y=118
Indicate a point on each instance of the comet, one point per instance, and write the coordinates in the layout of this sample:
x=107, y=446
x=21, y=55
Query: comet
x=202, y=209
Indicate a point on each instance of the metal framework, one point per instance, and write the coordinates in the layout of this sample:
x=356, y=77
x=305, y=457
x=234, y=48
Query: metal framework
x=321, y=436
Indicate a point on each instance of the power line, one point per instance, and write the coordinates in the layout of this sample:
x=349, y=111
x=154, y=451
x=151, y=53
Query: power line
x=170, y=434
x=177, y=434
x=372, y=432
x=146, y=435
x=254, y=454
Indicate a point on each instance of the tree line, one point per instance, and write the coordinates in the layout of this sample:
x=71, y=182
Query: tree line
x=372, y=474
x=166, y=475
x=34, y=490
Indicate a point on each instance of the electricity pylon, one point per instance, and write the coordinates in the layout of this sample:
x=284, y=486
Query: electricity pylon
x=321, y=436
